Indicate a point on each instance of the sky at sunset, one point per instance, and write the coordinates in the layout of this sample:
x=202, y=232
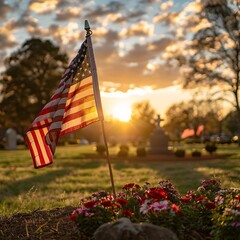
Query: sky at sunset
x=130, y=38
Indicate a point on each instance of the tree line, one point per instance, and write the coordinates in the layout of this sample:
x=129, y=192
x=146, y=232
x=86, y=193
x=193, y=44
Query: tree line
x=210, y=59
x=32, y=74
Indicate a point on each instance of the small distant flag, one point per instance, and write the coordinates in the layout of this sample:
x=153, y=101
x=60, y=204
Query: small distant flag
x=75, y=104
x=200, y=130
x=190, y=132
x=187, y=133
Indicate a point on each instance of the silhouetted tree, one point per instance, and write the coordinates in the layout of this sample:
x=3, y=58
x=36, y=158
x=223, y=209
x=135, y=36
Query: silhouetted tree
x=230, y=123
x=192, y=114
x=143, y=119
x=31, y=75
x=183, y=115
x=212, y=57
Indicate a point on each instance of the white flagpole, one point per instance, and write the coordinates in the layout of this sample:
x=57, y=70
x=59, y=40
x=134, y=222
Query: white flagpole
x=97, y=97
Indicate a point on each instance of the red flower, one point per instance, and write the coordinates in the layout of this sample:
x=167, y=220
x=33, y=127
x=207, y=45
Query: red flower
x=107, y=203
x=237, y=197
x=127, y=213
x=73, y=217
x=143, y=199
x=193, y=195
x=117, y=205
x=129, y=185
x=185, y=199
x=175, y=208
x=137, y=186
x=200, y=198
x=122, y=201
x=210, y=205
x=157, y=193
x=90, y=204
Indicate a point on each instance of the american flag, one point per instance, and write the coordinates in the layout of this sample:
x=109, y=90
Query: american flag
x=190, y=132
x=187, y=133
x=72, y=106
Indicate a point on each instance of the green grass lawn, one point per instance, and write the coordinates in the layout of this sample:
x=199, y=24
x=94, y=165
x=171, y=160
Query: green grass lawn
x=75, y=174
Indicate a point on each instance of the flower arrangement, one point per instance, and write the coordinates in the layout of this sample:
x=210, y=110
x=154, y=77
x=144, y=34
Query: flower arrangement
x=207, y=213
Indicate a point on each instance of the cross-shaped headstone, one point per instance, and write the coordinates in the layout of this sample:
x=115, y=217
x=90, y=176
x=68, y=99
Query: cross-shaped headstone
x=159, y=120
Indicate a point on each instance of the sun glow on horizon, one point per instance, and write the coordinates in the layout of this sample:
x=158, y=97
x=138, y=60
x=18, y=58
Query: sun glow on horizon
x=160, y=100
x=122, y=112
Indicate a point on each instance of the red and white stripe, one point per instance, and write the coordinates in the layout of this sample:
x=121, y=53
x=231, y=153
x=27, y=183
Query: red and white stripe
x=72, y=107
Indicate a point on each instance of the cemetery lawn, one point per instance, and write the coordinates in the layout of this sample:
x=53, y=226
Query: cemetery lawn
x=36, y=204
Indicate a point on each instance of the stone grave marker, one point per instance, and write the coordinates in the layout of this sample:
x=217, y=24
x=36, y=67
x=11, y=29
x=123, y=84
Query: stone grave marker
x=159, y=140
x=11, y=139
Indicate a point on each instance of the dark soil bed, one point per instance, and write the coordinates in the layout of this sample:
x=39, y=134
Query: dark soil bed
x=53, y=224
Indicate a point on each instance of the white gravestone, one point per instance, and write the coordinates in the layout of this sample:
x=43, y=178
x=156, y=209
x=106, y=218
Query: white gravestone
x=11, y=139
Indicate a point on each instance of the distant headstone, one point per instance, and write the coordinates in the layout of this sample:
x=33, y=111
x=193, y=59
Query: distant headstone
x=158, y=139
x=11, y=139
x=159, y=120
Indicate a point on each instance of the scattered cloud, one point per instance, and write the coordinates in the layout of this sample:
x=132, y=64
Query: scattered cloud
x=145, y=52
x=7, y=38
x=167, y=18
x=106, y=50
x=166, y=5
x=67, y=36
x=127, y=44
x=135, y=69
x=66, y=3
x=141, y=28
x=104, y=9
x=42, y=6
x=4, y=9
x=24, y=21
x=149, y=1
x=181, y=22
x=69, y=13
x=131, y=16
x=114, y=17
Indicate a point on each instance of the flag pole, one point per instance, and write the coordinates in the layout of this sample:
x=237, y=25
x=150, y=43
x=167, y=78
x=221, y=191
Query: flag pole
x=98, y=98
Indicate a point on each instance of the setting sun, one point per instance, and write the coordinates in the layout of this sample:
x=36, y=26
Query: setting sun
x=122, y=112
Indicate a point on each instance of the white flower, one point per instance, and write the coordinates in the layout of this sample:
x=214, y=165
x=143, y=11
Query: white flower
x=138, y=198
x=233, y=202
x=88, y=214
x=160, y=206
x=232, y=211
x=221, y=191
x=145, y=207
x=81, y=210
x=219, y=200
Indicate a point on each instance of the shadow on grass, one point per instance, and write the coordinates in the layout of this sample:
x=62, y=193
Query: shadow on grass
x=46, y=176
x=81, y=156
x=180, y=177
x=186, y=175
x=80, y=163
x=17, y=187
